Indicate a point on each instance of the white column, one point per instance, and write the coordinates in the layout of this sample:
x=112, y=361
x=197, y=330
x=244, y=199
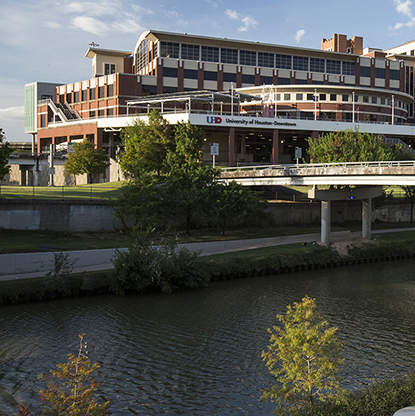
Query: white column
x=367, y=218
x=325, y=222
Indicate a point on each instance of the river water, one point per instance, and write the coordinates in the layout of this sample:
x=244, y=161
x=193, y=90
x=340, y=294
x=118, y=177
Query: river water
x=198, y=352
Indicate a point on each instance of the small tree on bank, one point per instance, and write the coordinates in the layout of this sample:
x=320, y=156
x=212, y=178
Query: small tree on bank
x=86, y=159
x=5, y=150
x=304, y=356
x=74, y=394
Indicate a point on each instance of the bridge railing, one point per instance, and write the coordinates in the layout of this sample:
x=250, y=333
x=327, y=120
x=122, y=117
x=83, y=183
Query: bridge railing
x=305, y=166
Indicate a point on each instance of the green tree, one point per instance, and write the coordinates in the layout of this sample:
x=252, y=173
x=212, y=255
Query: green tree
x=410, y=198
x=5, y=150
x=188, y=188
x=139, y=204
x=73, y=394
x=236, y=205
x=86, y=159
x=146, y=144
x=352, y=146
x=304, y=356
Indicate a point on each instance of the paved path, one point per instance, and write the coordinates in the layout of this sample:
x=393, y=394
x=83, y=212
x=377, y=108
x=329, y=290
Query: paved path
x=27, y=265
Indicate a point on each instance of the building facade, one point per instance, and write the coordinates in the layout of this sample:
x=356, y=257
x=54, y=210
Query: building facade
x=338, y=86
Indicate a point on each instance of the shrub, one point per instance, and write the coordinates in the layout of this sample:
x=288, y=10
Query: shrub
x=163, y=266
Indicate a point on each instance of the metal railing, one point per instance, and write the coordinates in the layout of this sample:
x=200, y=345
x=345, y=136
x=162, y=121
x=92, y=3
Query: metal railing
x=306, y=166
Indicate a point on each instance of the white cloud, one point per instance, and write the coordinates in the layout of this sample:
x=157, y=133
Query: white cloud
x=298, y=36
x=403, y=7
x=11, y=113
x=248, y=21
x=90, y=24
x=94, y=9
x=52, y=25
x=127, y=26
x=140, y=9
x=232, y=14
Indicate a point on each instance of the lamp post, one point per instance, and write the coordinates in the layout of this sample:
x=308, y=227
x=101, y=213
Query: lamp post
x=315, y=105
x=393, y=109
x=353, y=98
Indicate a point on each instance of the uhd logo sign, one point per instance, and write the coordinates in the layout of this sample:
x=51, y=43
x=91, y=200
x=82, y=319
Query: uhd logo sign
x=214, y=120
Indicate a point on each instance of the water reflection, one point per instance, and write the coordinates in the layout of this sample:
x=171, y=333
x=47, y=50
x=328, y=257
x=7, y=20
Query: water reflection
x=198, y=352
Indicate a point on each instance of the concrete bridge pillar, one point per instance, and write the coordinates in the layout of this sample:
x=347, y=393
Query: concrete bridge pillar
x=363, y=193
x=367, y=218
x=325, y=222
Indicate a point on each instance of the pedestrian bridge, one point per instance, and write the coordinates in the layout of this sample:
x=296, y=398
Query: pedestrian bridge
x=347, y=173
x=359, y=181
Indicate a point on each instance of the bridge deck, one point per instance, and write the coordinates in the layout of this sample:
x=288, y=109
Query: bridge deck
x=351, y=173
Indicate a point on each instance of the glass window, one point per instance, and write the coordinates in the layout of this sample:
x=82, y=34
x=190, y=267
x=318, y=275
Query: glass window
x=247, y=58
x=248, y=79
x=142, y=55
x=100, y=113
x=170, y=72
x=92, y=94
x=365, y=71
x=322, y=97
x=348, y=68
x=310, y=97
x=84, y=95
x=365, y=98
x=92, y=113
x=265, y=80
x=169, y=50
x=382, y=101
x=210, y=54
x=283, y=81
x=380, y=73
x=278, y=97
x=228, y=77
x=169, y=90
x=190, y=52
x=333, y=67
x=374, y=100
x=356, y=98
x=109, y=69
x=69, y=97
x=300, y=81
x=229, y=56
x=300, y=63
x=345, y=97
x=394, y=74
x=266, y=59
x=210, y=76
x=283, y=61
x=110, y=90
x=110, y=112
x=76, y=97
x=101, y=92
x=333, y=97
x=299, y=97
x=149, y=89
x=317, y=65
x=190, y=73
x=287, y=97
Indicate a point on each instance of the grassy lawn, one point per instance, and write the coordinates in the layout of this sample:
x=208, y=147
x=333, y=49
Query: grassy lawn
x=91, y=191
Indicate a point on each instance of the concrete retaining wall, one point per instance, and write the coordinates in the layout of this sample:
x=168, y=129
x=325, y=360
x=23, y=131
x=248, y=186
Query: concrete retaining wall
x=56, y=215
x=97, y=215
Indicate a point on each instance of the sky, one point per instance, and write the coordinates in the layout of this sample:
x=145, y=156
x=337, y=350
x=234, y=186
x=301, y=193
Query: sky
x=46, y=40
